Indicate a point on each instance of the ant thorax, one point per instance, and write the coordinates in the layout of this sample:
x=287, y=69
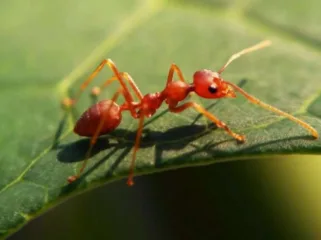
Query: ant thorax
x=177, y=91
x=150, y=103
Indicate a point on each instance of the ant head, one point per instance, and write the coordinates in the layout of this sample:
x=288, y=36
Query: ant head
x=209, y=84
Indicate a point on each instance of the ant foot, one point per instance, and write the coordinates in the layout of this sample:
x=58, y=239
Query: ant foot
x=315, y=135
x=67, y=102
x=130, y=182
x=71, y=179
x=240, y=138
x=95, y=91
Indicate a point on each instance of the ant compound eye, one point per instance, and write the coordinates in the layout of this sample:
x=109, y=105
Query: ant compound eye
x=212, y=88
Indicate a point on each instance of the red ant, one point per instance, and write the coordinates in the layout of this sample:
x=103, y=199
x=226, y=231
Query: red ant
x=104, y=116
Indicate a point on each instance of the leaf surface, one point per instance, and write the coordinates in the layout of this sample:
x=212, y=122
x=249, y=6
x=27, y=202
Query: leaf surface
x=49, y=50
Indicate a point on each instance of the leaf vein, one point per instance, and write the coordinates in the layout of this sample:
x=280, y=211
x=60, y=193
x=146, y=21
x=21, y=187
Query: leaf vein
x=141, y=15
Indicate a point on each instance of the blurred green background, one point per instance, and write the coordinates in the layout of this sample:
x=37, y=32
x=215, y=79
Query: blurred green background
x=269, y=198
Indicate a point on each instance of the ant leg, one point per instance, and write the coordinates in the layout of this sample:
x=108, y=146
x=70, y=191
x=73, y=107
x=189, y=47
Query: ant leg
x=68, y=102
x=130, y=181
x=258, y=46
x=96, y=90
x=207, y=114
x=172, y=69
x=273, y=109
x=133, y=85
x=93, y=141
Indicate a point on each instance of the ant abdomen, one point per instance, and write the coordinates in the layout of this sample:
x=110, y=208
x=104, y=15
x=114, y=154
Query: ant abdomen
x=105, y=112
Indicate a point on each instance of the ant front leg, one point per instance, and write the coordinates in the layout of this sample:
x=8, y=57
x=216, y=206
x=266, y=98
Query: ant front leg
x=256, y=101
x=172, y=69
x=200, y=109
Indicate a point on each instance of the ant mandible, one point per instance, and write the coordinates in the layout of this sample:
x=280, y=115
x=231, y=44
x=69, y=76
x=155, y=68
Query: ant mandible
x=104, y=116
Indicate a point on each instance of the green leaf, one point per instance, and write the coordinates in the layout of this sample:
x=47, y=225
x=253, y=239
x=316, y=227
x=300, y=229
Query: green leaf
x=49, y=50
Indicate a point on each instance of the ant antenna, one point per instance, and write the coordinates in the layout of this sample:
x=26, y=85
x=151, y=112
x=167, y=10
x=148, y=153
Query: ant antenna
x=258, y=46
